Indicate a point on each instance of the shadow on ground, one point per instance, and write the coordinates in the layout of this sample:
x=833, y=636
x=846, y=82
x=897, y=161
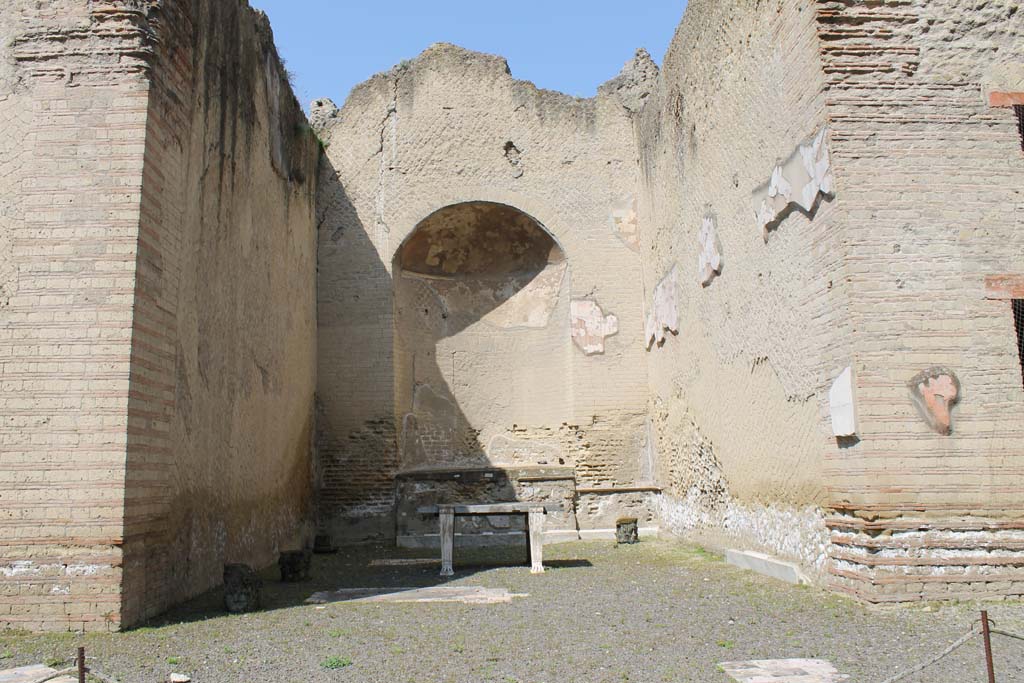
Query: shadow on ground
x=656, y=611
x=365, y=567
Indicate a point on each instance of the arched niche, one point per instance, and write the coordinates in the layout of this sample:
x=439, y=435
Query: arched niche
x=482, y=347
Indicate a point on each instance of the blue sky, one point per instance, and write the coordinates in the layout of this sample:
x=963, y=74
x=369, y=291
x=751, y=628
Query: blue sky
x=567, y=45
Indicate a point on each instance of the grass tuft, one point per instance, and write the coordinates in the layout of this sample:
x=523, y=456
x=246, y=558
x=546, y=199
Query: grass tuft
x=336, y=662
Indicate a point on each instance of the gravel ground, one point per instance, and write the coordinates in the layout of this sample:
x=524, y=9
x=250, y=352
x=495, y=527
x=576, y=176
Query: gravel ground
x=657, y=611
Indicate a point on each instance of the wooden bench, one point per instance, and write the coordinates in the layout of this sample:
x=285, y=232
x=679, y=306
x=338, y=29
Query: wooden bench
x=535, y=519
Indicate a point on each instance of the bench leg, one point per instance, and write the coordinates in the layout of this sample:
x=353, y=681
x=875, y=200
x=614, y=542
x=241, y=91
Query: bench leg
x=447, y=528
x=536, y=523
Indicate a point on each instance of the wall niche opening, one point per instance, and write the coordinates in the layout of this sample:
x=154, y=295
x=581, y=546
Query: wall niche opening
x=482, y=349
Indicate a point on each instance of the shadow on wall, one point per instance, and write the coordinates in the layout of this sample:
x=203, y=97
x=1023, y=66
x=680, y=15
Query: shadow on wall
x=356, y=449
x=441, y=356
x=477, y=328
x=467, y=277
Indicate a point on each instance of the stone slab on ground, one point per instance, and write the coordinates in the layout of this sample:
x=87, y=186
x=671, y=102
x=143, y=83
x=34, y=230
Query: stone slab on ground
x=767, y=565
x=783, y=671
x=405, y=562
x=28, y=674
x=474, y=595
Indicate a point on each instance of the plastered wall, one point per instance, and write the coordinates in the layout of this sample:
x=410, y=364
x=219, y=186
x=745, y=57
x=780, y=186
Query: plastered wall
x=738, y=381
x=73, y=101
x=447, y=128
x=897, y=262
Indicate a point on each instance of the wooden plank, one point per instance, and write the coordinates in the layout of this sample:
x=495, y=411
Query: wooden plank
x=1004, y=287
x=489, y=508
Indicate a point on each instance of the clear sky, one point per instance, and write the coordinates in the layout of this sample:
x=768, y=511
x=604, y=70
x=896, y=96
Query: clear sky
x=567, y=45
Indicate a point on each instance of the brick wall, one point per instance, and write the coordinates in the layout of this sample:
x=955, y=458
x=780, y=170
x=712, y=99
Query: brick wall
x=930, y=180
x=157, y=342
x=73, y=99
x=221, y=406
x=889, y=278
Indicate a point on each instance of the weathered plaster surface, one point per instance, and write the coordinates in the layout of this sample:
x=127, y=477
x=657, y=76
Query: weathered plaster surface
x=709, y=258
x=663, y=313
x=590, y=326
x=796, y=181
x=739, y=397
x=625, y=222
x=492, y=337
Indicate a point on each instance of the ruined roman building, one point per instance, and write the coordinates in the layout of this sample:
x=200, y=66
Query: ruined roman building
x=768, y=295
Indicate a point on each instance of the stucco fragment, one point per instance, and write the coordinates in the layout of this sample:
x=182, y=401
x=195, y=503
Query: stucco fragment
x=935, y=391
x=709, y=260
x=664, y=312
x=842, y=406
x=624, y=221
x=590, y=326
x=797, y=180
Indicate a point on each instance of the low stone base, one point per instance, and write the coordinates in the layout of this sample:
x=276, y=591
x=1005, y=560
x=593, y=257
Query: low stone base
x=243, y=589
x=767, y=565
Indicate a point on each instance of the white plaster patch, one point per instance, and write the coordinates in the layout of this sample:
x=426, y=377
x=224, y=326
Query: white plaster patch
x=625, y=223
x=797, y=180
x=664, y=313
x=783, y=671
x=709, y=260
x=590, y=326
x=842, y=405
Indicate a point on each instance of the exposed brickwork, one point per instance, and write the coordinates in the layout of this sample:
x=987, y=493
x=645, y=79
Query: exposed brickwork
x=220, y=409
x=73, y=110
x=932, y=180
x=116, y=503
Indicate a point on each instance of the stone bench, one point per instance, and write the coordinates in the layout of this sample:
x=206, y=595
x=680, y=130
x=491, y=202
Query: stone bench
x=535, y=518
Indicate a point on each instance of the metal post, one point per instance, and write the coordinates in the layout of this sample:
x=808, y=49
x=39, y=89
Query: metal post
x=81, y=665
x=988, y=646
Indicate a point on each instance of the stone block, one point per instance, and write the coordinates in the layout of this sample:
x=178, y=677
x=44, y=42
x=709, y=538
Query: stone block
x=242, y=589
x=767, y=565
x=627, y=530
x=295, y=565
